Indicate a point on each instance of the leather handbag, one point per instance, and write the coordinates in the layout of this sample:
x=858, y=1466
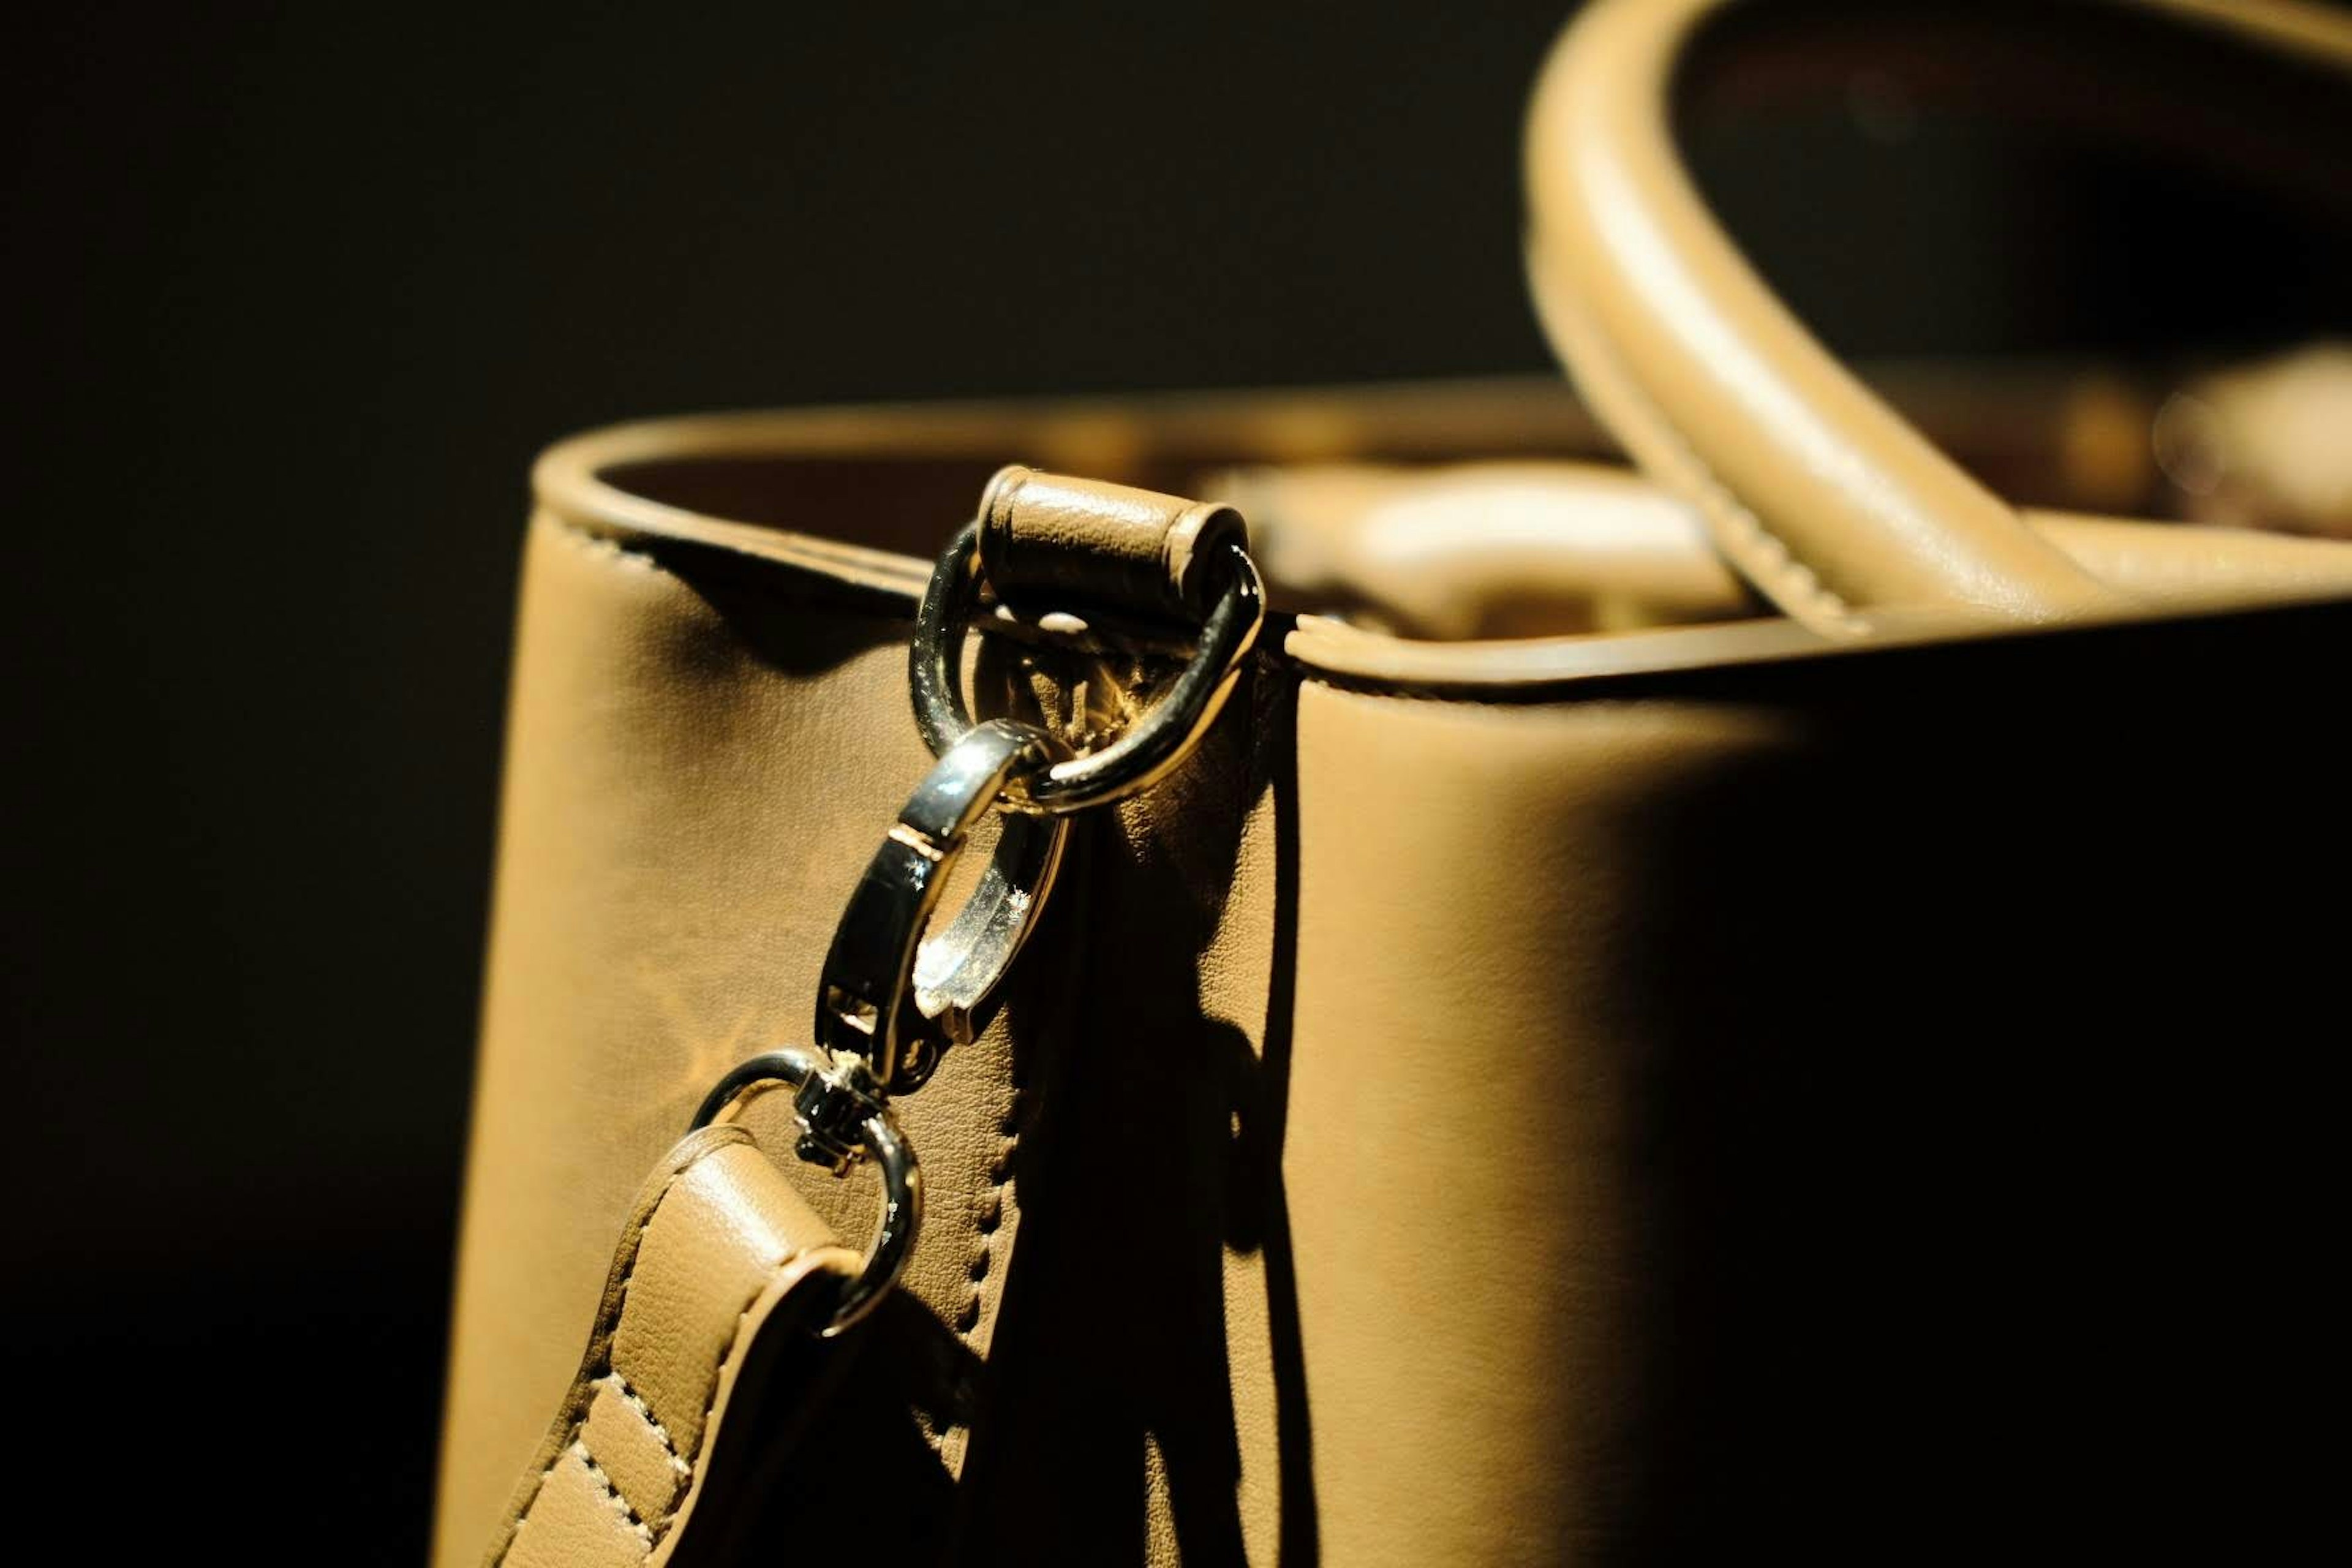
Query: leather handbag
x=1497, y=1011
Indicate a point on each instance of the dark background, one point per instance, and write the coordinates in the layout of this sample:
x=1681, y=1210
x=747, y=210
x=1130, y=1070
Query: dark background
x=301, y=289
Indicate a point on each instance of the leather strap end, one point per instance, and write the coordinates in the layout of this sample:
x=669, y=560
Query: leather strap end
x=1050, y=537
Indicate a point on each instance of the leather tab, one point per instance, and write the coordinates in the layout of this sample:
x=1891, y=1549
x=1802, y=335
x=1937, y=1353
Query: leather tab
x=1053, y=537
x=722, y=1282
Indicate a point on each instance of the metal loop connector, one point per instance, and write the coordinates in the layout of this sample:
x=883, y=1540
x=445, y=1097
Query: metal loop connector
x=844, y=1119
x=888, y=994
x=890, y=999
x=1153, y=744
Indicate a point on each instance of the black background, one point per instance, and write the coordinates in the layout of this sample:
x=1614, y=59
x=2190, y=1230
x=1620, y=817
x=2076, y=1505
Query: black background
x=301, y=289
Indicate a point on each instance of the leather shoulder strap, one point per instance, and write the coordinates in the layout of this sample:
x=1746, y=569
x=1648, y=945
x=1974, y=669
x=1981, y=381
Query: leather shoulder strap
x=719, y=1256
x=1813, y=488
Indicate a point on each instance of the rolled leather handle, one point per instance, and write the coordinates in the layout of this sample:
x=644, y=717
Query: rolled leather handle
x=1811, y=487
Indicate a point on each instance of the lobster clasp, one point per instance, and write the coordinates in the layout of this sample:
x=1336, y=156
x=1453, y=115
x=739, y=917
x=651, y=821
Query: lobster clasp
x=890, y=995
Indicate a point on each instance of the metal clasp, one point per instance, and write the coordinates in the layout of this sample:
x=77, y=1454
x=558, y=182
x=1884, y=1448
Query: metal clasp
x=1156, y=742
x=886, y=993
x=844, y=1119
x=890, y=998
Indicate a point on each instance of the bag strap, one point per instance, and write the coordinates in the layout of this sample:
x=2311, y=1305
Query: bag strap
x=1811, y=487
x=723, y=1282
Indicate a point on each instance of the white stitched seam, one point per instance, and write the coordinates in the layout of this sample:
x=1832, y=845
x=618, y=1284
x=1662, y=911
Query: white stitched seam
x=613, y=1498
x=580, y=1418
x=635, y=1401
x=1772, y=555
x=590, y=543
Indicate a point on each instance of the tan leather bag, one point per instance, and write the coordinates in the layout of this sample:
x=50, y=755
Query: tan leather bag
x=1853, y=1060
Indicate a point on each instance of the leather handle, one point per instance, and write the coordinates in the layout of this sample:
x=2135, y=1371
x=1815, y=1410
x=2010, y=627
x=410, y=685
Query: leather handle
x=1811, y=487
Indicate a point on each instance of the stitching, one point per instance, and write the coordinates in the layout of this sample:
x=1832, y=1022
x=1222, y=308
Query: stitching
x=900, y=603
x=632, y=558
x=613, y=1497
x=719, y=1378
x=1772, y=555
x=590, y=543
x=734, y=1343
x=1467, y=695
x=580, y=1413
x=989, y=1222
x=635, y=1401
x=651, y=1532
x=522, y=1514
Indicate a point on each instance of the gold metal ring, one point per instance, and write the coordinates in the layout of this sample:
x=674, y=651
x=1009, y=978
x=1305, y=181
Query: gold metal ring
x=1153, y=744
x=844, y=1118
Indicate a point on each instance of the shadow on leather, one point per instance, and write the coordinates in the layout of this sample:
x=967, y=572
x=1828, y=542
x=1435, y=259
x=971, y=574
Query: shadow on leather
x=1980, y=1188
x=1155, y=1151
x=833, y=1464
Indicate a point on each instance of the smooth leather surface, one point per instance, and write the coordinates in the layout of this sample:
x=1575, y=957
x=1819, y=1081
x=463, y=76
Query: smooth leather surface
x=693, y=784
x=1620, y=1096
x=717, y=1252
x=1605, y=972
x=1813, y=488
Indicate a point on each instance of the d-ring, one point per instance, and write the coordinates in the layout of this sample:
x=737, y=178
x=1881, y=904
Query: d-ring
x=843, y=1118
x=1156, y=742
x=898, y=1000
